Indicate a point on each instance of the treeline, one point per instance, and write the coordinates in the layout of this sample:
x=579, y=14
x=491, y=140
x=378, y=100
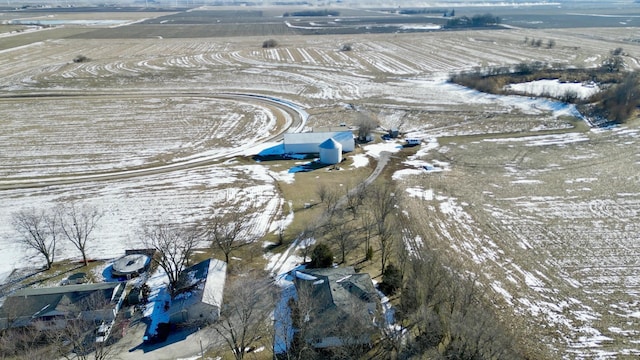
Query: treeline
x=485, y=20
x=616, y=103
x=324, y=12
x=423, y=11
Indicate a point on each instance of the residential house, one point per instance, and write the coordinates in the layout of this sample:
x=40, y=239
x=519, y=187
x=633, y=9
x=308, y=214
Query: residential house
x=51, y=308
x=337, y=307
x=199, y=296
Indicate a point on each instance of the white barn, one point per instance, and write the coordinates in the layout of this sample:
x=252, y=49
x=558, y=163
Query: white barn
x=309, y=143
x=330, y=152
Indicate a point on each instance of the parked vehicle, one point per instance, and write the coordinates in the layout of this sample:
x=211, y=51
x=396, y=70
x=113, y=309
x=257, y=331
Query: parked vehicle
x=103, y=332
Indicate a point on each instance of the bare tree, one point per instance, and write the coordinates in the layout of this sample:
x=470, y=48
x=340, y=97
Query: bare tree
x=383, y=203
x=245, y=316
x=368, y=223
x=329, y=197
x=175, y=246
x=366, y=124
x=341, y=232
x=26, y=343
x=224, y=232
x=387, y=235
x=39, y=231
x=77, y=223
x=77, y=340
x=306, y=239
x=355, y=198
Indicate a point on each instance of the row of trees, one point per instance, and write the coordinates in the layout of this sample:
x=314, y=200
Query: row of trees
x=323, y=12
x=357, y=218
x=550, y=44
x=40, y=229
x=485, y=20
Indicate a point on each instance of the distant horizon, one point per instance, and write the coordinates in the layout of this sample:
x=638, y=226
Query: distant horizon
x=313, y=3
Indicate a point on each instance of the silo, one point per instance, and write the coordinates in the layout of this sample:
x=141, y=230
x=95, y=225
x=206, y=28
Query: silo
x=330, y=152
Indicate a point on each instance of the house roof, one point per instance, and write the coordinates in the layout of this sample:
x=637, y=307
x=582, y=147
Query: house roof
x=60, y=300
x=205, y=281
x=339, y=287
x=338, y=296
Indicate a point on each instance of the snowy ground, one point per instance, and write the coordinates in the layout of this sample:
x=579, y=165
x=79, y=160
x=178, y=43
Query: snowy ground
x=504, y=183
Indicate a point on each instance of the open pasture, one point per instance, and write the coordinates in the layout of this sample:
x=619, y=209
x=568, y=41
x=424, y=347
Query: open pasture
x=542, y=210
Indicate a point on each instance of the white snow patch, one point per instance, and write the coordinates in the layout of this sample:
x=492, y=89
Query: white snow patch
x=360, y=160
x=421, y=193
x=374, y=150
x=555, y=88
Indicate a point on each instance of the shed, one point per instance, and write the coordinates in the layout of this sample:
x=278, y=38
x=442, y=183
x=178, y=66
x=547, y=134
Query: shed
x=330, y=152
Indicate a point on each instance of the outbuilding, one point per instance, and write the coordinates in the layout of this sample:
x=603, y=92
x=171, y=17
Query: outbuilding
x=309, y=143
x=330, y=152
x=131, y=265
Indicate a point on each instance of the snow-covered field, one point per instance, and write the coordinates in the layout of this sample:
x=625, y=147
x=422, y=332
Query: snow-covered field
x=504, y=184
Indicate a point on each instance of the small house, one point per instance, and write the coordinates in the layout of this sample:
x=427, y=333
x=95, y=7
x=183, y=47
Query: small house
x=199, y=297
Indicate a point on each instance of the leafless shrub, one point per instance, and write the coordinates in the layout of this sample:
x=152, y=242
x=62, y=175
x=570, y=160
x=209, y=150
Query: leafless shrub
x=80, y=59
x=271, y=43
x=346, y=47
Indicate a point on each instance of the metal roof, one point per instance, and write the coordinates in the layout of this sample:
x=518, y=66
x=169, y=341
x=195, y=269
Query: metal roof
x=330, y=144
x=60, y=300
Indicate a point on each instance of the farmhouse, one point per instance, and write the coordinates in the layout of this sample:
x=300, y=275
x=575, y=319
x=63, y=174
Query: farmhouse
x=200, y=294
x=51, y=308
x=309, y=143
x=342, y=305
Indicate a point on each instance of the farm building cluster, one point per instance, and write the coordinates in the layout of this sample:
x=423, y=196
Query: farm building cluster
x=328, y=144
x=127, y=292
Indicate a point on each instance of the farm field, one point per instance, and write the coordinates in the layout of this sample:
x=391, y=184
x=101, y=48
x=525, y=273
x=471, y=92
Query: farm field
x=519, y=190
